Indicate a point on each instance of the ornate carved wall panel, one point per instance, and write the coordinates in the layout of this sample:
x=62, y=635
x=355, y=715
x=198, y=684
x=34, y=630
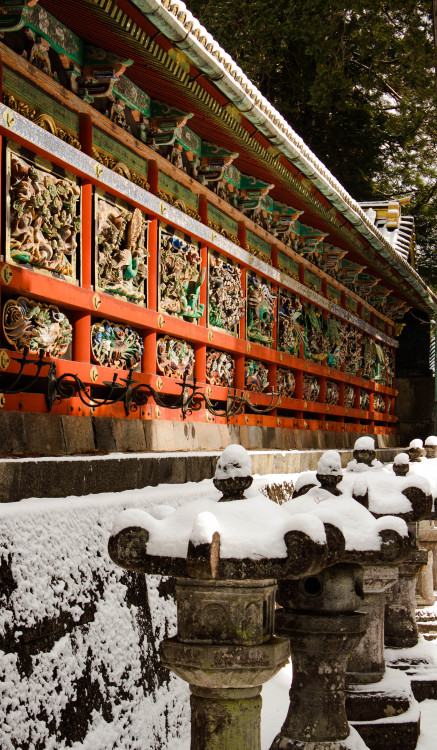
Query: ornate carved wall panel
x=226, y=296
x=175, y=357
x=115, y=345
x=220, y=368
x=291, y=333
x=32, y=324
x=285, y=382
x=349, y=396
x=332, y=393
x=180, y=275
x=311, y=388
x=378, y=402
x=260, y=310
x=43, y=222
x=121, y=249
x=364, y=400
x=256, y=376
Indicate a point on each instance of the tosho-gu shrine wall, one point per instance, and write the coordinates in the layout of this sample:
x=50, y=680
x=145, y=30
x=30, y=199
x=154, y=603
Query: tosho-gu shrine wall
x=136, y=253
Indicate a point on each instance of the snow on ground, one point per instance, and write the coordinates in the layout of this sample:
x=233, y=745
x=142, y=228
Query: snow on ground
x=57, y=552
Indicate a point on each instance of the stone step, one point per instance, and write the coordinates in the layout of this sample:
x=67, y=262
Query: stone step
x=63, y=476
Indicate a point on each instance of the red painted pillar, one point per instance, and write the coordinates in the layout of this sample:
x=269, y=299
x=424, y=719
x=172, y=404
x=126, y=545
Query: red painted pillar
x=81, y=337
x=86, y=141
x=148, y=361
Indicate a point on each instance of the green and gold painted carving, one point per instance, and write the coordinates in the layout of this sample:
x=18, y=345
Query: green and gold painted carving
x=29, y=95
x=255, y=243
x=334, y=294
x=177, y=191
x=222, y=220
x=60, y=38
x=122, y=154
x=365, y=314
x=352, y=304
x=132, y=95
x=288, y=265
x=312, y=280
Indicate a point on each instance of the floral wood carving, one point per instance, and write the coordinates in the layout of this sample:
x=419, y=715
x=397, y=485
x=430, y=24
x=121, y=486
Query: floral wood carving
x=181, y=277
x=291, y=333
x=311, y=388
x=220, y=368
x=122, y=265
x=317, y=339
x=43, y=220
x=364, y=400
x=350, y=348
x=332, y=393
x=378, y=402
x=27, y=323
x=115, y=345
x=260, y=311
x=256, y=376
x=175, y=358
x=349, y=396
x=285, y=382
x=226, y=297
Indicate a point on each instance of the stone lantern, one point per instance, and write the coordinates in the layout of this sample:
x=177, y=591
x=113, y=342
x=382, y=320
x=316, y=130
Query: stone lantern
x=401, y=464
x=226, y=556
x=322, y=613
x=381, y=708
x=415, y=450
x=431, y=446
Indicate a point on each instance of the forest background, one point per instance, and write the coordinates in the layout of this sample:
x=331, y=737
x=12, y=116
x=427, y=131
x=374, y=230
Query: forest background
x=357, y=82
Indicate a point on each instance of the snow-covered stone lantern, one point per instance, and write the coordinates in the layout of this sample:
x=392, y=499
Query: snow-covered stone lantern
x=321, y=613
x=226, y=555
x=415, y=450
x=379, y=702
x=364, y=455
x=431, y=446
x=401, y=464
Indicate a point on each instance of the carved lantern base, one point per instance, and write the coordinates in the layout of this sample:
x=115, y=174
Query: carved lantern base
x=320, y=643
x=226, y=650
x=400, y=610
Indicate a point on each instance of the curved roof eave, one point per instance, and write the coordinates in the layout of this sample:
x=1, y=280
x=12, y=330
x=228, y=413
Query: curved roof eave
x=180, y=27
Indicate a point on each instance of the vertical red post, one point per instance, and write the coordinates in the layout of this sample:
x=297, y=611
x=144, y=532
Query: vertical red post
x=203, y=297
x=148, y=361
x=239, y=380
x=86, y=257
x=200, y=363
x=81, y=337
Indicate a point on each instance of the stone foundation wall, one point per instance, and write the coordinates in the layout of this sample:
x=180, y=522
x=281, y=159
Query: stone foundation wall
x=26, y=434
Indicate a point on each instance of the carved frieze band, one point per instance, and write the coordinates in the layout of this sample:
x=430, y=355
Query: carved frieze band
x=14, y=123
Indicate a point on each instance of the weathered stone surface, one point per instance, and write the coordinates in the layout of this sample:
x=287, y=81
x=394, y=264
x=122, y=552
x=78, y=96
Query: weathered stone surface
x=78, y=435
x=44, y=435
x=400, y=622
x=366, y=664
x=104, y=434
x=225, y=719
x=229, y=612
x=12, y=434
x=319, y=616
x=425, y=582
x=401, y=734
x=224, y=666
x=129, y=435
